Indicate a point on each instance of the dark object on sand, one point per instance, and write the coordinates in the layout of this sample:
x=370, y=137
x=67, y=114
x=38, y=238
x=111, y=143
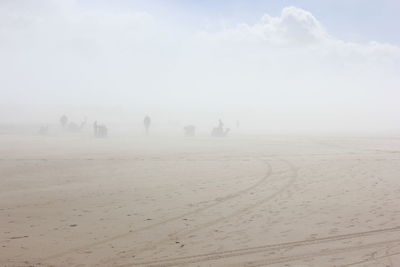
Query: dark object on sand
x=102, y=131
x=217, y=132
x=220, y=131
x=63, y=120
x=147, y=122
x=95, y=129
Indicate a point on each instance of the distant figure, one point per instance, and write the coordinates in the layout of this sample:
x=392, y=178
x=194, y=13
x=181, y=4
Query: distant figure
x=220, y=124
x=219, y=131
x=95, y=129
x=237, y=124
x=63, y=120
x=147, y=122
x=43, y=130
x=189, y=130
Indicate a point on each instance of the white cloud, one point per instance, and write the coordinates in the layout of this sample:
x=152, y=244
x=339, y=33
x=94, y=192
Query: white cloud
x=293, y=27
x=295, y=45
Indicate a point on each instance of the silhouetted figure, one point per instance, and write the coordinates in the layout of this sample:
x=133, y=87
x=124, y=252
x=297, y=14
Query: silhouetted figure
x=237, y=124
x=147, y=122
x=220, y=124
x=95, y=129
x=102, y=131
x=219, y=131
x=189, y=130
x=63, y=120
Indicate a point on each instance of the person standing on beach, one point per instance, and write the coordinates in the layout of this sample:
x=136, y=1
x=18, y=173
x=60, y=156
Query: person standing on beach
x=63, y=120
x=147, y=122
x=95, y=129
x=220, y=125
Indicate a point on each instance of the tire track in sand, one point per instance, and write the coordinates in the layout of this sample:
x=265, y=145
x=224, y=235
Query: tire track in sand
x=264, y=248
x=312, y=255
x=217, y=202
x=261, y=201
x=387, y=256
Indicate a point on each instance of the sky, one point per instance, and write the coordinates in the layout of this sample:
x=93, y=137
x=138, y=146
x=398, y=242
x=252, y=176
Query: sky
x=291, y=64
x=353, y=20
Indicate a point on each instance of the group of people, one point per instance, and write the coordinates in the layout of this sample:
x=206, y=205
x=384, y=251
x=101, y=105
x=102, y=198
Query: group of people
x=101, y=131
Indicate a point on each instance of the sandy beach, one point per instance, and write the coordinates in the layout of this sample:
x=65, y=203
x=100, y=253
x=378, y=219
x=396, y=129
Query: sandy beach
x=239, y=201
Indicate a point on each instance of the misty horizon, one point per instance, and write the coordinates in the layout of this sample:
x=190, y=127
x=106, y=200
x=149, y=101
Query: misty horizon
x=283, y=70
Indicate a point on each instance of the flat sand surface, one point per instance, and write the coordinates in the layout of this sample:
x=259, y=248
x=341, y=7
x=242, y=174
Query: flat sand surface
x=239, y=201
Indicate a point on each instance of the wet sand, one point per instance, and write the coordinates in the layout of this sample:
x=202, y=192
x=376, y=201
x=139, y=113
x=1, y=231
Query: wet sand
x=240, y=201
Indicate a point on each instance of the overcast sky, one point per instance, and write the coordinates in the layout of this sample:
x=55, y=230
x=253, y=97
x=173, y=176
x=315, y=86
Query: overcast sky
x=298, y=61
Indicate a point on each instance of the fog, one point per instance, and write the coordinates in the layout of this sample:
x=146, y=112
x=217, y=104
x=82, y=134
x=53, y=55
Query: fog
x=199, y=133
x=117, y=62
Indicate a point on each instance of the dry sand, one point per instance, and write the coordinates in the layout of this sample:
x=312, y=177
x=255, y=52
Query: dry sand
x=240, y=201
